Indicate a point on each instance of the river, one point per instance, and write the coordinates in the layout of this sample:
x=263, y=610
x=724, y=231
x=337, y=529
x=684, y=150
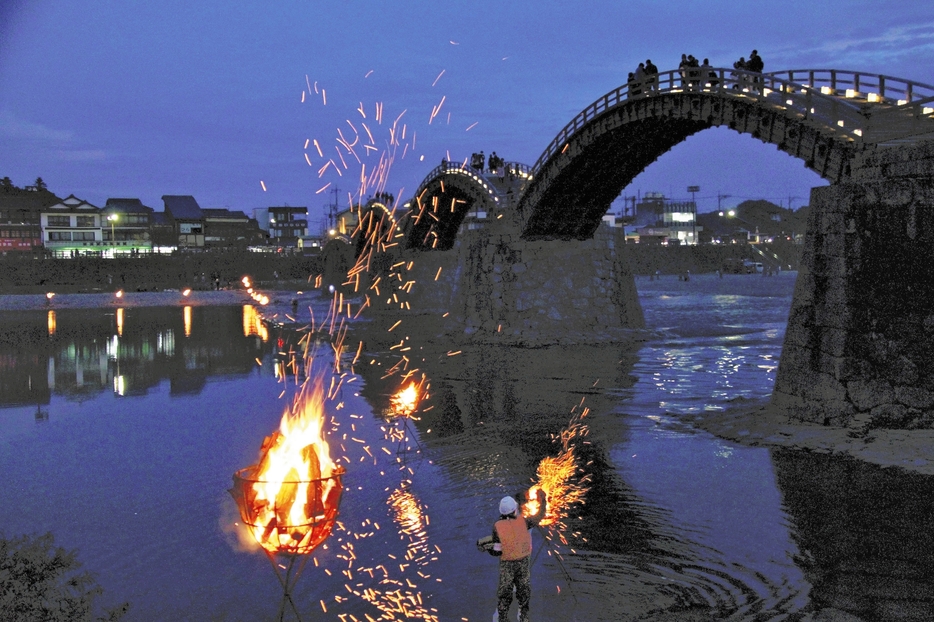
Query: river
x=120, y=430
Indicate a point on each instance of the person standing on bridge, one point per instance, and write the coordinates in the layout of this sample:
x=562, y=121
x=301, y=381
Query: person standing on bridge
x=708, y=75
x=638, y=78
x=651, y=76
x=683, y=70
x=739, y=77
x=755, y=64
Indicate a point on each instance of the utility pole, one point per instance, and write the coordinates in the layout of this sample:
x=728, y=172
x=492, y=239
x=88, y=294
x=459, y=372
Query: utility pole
x=332, y=210
x=692, y=190
x=720, y=197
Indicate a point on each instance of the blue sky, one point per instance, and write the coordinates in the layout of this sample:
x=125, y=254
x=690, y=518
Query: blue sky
x=124, y=99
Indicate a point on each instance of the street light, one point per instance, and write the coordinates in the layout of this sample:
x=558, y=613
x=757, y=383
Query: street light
x=113, y=239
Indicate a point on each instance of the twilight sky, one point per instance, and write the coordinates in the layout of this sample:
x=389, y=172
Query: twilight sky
x=107, y=98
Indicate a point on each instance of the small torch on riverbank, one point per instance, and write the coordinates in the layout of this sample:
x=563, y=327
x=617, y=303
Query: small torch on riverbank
x=290, y=499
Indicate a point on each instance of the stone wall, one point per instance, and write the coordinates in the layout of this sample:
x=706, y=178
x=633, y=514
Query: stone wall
x=859, y=348
x=496, y=287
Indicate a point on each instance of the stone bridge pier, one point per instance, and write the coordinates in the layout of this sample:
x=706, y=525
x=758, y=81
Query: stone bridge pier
x=859, y=347
x=495, y=286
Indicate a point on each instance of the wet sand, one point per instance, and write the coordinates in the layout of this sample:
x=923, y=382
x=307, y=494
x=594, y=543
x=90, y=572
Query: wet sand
x=912, y=450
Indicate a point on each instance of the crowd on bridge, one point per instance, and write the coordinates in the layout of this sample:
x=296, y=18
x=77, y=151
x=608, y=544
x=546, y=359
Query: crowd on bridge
x=695, y=75
x=493, y=164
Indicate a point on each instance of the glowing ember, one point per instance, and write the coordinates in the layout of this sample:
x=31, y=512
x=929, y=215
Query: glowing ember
x=290, y=498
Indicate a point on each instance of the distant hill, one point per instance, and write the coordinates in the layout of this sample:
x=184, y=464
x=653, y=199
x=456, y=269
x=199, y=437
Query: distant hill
x=28, y=199
x=770, y=219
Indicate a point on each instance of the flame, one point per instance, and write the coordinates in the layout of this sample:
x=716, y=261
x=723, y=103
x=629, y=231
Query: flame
x=558, y=476
x=253, y=324
x=290, y=498
x=186, y=316
x=405, y=401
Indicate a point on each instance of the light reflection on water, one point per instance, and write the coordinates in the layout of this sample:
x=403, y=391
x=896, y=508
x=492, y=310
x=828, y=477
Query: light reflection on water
x=678, y=525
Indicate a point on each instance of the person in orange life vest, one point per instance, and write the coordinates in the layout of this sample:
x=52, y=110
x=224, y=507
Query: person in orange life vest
x=512, y=543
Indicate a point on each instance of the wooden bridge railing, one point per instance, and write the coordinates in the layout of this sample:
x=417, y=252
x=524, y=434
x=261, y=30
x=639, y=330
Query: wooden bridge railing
x=819, y=96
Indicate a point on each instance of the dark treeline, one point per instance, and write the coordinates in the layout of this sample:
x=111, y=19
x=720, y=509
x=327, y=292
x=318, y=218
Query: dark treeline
x=648, y=258
x=29, y=275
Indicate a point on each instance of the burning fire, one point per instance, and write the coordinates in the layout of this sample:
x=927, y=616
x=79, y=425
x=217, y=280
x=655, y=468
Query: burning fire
x=405, y=401
x=290, y=498
x=559, y=477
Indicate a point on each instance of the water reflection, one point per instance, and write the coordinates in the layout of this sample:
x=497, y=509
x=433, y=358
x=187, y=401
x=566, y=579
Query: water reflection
x=675, y=522
x=866, y=534
x=78, y=353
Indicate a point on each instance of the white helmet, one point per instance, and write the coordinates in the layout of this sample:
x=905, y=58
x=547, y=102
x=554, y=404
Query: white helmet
x=508, y=505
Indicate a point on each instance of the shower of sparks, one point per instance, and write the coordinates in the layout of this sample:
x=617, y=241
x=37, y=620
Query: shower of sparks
x=562, y=477
x=380, y=222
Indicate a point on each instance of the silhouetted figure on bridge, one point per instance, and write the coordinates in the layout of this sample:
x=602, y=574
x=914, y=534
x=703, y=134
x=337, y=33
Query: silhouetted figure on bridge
x=755, y=64
x=694, y=74
x=738, y=75
x=496, y=163
x=638, y=78
x=708, y=75
x=683, y=70
x=651, y=76
x=444, y=164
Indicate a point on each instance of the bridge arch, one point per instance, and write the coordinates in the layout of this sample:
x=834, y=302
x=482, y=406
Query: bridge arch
x=823, y=117
x=450, y=192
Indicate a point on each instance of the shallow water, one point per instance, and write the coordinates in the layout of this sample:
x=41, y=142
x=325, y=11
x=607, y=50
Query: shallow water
x=123, y=445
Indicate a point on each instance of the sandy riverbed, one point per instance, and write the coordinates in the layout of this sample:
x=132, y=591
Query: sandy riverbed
x=912, y=450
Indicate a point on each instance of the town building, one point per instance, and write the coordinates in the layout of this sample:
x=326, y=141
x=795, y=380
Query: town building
x=20, y=229
x=287, y=224
x=71, y=228
x=126, y=225
x=224, y=228
x=187, y=221
x=659, y=220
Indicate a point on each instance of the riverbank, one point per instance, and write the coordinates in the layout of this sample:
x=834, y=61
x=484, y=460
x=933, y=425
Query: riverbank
x=167, y=298
x=906, y=449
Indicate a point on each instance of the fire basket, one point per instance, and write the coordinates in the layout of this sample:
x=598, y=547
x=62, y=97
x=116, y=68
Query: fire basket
x=292, y=524
x=298, y=519
x=290, y=498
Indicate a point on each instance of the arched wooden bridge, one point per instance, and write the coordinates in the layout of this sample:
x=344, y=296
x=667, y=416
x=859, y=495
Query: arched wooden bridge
x=822, y=116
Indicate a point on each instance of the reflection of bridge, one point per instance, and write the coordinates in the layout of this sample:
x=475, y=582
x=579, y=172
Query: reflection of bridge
x=824, y=117
x=861, y=329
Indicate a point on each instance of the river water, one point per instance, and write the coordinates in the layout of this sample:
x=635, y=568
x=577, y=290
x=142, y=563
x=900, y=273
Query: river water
x=120, y=430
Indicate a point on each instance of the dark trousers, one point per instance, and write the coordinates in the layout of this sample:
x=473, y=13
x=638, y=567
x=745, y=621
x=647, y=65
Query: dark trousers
x=514, y=573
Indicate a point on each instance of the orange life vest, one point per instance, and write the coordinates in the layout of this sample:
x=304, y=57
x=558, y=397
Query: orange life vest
x=515, y=538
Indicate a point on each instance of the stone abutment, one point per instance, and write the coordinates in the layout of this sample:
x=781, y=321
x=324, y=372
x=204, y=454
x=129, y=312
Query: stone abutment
x=859, y=347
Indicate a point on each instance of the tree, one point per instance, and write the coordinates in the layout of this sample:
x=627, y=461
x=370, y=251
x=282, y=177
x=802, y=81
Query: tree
x=40, y=185
x=6, y=182
x=42, y=582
